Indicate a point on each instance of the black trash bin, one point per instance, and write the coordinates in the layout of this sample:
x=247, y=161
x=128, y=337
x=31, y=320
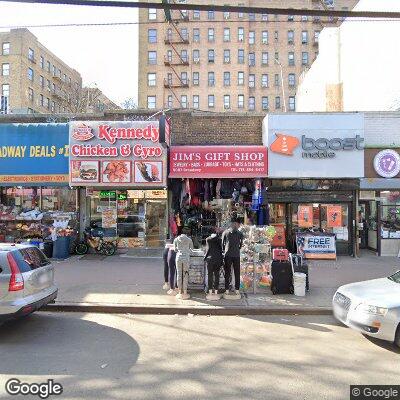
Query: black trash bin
x=61, y=247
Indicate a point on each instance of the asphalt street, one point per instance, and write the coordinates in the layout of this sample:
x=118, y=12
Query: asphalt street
x=100, y=356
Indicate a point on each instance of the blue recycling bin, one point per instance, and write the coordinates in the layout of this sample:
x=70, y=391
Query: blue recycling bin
x=61, y=247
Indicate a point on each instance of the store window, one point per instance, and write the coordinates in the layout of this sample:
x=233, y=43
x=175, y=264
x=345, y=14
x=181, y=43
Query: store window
x=390, y=214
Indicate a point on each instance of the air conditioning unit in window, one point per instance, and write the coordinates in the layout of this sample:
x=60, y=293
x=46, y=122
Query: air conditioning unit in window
x=264, y=84
x=227, y=107
x=196, y=60
x=240, y=39
x=265, y=41
x=265, y=108
x=226, y=16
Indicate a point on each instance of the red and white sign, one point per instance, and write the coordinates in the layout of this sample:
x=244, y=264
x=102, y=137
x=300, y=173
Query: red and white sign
x=218, y=162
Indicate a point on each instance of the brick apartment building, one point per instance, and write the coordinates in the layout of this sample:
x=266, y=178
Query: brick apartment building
x=34, y=80
x=225, y=61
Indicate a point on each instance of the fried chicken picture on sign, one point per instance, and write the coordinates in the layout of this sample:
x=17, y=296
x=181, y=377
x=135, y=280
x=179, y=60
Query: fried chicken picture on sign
x=149, y=172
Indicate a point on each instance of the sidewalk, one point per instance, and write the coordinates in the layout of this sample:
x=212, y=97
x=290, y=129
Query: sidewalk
x=135, y=284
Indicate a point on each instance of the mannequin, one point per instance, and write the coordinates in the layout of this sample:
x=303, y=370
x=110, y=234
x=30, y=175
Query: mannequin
x=214, y=260
x=232, y=241
x=183, y=245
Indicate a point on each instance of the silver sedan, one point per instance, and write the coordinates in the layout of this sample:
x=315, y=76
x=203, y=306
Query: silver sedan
x=371, y=307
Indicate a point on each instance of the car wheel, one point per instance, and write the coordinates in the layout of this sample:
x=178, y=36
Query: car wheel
x=397, y=337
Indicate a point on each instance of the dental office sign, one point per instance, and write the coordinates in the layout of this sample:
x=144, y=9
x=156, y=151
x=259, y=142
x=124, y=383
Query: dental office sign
x=117, y=154
x=315, y=145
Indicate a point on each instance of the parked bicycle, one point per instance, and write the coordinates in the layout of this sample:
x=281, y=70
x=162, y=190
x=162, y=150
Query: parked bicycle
x=95, y=242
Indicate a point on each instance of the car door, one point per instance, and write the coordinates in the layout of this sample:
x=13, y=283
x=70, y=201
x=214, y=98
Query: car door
x=36, y=269
x=4, y=277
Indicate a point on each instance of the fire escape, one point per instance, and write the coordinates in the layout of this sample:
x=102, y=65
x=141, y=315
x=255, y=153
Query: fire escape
x=177, y=55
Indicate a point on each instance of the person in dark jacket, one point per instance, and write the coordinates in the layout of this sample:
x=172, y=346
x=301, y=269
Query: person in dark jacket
x=232, y=242
x=214, y=261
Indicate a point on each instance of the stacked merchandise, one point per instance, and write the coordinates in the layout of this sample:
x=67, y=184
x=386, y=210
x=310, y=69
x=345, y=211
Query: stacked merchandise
x=196, y=270
x=256, y=257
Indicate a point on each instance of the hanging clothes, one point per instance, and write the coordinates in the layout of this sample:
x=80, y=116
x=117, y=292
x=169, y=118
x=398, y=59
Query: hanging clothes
x=218, y=189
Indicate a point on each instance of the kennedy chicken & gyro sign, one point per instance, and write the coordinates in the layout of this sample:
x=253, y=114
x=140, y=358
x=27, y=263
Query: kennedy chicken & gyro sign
x=117, y=154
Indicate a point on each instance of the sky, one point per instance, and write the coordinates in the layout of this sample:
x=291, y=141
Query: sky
x=104, y=55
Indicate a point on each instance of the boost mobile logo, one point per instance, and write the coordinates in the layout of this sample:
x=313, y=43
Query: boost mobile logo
x=284, y=144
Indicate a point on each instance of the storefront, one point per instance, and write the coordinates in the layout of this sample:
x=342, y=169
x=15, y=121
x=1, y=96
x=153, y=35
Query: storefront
x=314, y=164
x=123, y=167
x=379, y=203
x=34, y=189
x=210, y=185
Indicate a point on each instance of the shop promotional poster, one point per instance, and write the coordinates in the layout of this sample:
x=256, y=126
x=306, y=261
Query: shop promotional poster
x=34, y=154
x=305, y=216
x=316, y=246
x=117, y=154
x=218, y=162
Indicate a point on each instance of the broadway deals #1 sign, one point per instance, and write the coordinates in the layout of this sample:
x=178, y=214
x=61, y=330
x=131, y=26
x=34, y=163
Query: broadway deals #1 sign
x=117, y=154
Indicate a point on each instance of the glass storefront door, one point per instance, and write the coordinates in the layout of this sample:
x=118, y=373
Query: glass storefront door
x=156, y=223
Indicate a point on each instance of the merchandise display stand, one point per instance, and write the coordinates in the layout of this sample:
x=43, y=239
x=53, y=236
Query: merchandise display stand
x=197, y=270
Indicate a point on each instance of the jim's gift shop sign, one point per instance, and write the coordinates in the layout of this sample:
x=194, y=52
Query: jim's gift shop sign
x=313, y=145
x=117, y=154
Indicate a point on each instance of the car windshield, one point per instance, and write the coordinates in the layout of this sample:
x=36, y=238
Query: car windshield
x=395, y=277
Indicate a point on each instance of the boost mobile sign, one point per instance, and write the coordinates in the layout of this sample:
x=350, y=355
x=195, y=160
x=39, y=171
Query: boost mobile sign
x=329, y=145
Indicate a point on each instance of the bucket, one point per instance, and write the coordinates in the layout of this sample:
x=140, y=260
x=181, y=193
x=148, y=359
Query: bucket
x=299, y=284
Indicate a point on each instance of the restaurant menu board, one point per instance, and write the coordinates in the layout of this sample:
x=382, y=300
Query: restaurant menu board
x=118, y=154
x=109, y=217
x=316, y=246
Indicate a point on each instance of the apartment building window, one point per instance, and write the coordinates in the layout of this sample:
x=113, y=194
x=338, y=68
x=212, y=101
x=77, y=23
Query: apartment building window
x=252, y=81
x=169, y=35
x=196, y=78
x=53, y=106
x=276, y=80
x=48, y=85
x=276, y=36
x=252, y=103
x=196, y=101
x=30, y=74
x=184, y=56
x=304, y=37
x=151, y=79
x=41, y=100
x=211, y=101
x=252, y=59
x=41, y=81
x=290, y=37
x=169, y=56
x=196, y=56
x=152, y=14
x=211, y=15
x=291, y=58
x=264, y=17
x=290, y=18
x=5, y=49
x=211, y=34
x=240, y=78
x=227, y=102
x=5, y=69
x=240, y=13
x=252, y=16
x=227, y=56
x=264, y=58
x=185, y=34
x=316, y=36
x=47, y=103
x=227, y=78
x=264, y=37
x=184, y=78
x=196, y=14
x=252, y=37
x=184, y=102
x=276, y=56
x=264, y=80
x=169, y=101
x=30, y=94
x=240, y=101
x=5, y=90
x=169, y=79
x=241, y=34
x=151, y=101
x=48, y=66
x=304, y=18
x=292, y=80
x=292, y=103
x=227, y=15
x=54, y=70
x=64, y=77
x=211, y=56
x=277, y=102
x=42, y=62
x=196, y=35
x=152, y=35
x=211, y=79
x=240, y=56
x=264, y=103
x=152, y=57
x=227, y=35
x=304, y=58
x=31, y=54
x=54, y=88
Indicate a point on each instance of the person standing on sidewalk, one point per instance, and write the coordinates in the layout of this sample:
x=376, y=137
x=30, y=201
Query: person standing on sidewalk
x=183, y=245
x=214, y=260
x=232, y=242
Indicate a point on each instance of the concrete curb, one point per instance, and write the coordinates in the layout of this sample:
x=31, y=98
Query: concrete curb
x=182, y=310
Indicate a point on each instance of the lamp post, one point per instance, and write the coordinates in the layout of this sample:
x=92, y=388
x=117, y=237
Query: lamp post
x=282, y=85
